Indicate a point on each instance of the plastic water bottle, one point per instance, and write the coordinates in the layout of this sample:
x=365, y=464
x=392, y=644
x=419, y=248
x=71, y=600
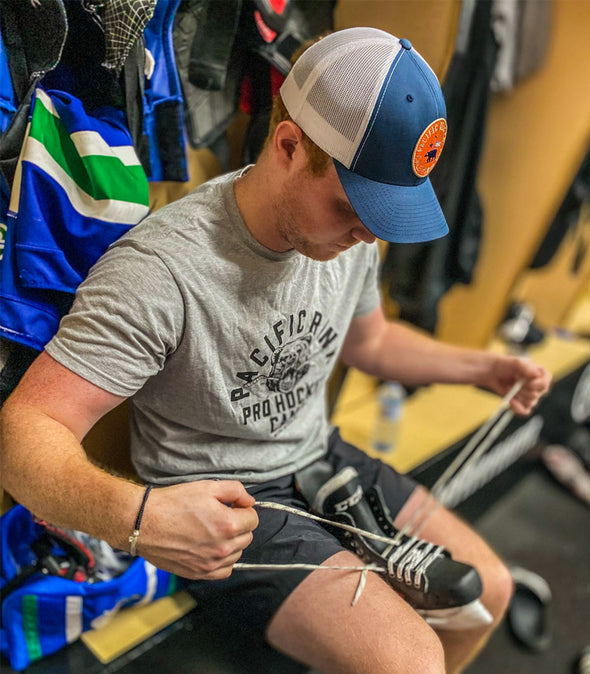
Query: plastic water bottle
x=391, y=397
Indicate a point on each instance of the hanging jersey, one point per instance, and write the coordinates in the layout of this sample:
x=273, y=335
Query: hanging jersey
x=78, y=187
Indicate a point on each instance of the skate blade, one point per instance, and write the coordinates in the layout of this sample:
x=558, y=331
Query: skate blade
x=469, y=616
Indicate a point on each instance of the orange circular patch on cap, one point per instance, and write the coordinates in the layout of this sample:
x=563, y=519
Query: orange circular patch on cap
x=429, y=147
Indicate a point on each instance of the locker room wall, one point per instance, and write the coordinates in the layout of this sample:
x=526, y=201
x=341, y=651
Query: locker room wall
x=554, y=290
x=536, y=139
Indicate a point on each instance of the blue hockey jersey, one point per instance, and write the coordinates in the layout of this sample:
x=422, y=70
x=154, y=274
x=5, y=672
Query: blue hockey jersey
x=78, y=187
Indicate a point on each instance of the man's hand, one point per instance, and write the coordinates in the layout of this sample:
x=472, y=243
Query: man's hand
x=505, y=371
x=197, y=530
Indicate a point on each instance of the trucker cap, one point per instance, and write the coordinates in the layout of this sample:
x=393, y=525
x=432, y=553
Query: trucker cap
x=375, y=106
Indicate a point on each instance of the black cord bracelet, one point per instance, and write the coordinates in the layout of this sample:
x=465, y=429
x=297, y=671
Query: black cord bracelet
x=135, y=535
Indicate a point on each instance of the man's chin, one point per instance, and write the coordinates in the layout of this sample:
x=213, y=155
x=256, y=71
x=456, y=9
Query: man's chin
x=325, y=256
x=321, y=253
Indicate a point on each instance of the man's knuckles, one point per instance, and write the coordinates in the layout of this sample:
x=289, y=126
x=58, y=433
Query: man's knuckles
x=224, y=550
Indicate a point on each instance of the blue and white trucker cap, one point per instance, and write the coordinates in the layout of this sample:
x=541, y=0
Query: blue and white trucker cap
x=375, y=106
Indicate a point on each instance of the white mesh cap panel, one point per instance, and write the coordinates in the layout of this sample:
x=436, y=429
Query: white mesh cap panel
x=325, y=47
x=357, y=73
x=332, y=89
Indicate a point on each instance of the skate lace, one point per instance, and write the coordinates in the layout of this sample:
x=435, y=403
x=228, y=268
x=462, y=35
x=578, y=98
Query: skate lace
x=410, y=561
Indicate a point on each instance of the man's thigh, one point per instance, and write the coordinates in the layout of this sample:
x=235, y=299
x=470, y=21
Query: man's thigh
x=319, y=625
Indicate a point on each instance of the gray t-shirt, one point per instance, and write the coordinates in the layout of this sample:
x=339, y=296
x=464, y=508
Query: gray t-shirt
x=225, y=345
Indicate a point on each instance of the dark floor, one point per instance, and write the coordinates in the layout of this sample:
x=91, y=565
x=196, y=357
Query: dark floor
x=537, y=524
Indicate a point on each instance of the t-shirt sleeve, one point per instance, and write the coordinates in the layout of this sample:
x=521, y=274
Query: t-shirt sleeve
x=369, y=298
x=127, y=317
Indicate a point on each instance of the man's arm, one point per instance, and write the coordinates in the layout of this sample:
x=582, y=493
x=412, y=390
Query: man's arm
x=197, y=530
x=395, y=351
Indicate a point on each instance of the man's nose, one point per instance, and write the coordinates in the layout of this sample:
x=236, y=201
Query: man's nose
x=361, y=233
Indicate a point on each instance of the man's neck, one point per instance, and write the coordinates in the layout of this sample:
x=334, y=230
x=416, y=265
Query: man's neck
x=255, y=196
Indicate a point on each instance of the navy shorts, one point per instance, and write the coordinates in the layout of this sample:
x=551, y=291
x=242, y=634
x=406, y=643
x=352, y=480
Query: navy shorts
x=252, y=597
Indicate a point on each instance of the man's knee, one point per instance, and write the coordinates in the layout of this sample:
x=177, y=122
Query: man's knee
x=423, y=654
x=434, y=652
x=498, y=588
x=381, y=633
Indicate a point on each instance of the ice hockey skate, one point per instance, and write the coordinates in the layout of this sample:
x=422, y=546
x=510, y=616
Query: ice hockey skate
x=446, y=592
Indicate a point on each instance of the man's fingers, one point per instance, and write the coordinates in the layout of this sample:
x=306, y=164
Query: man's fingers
x=524, y=405
x=233, y=493
x=219, y=574
x=533, y=391
x=535, y=376
x=228, y=549
x=219, y=568
x=242, y=514
x=244, y=520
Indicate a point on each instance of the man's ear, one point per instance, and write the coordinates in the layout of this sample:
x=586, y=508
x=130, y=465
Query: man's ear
x=287, y=142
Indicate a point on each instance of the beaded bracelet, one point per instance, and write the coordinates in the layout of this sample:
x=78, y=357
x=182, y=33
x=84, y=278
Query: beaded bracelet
x=135, y=535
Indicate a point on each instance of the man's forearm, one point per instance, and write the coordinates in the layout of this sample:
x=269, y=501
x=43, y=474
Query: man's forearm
x=45, y=469
x=407, y=355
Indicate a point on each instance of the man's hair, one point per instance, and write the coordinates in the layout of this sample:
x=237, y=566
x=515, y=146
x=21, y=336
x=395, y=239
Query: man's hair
x=317, y=160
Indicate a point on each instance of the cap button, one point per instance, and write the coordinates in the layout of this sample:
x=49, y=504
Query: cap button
x=406, y=44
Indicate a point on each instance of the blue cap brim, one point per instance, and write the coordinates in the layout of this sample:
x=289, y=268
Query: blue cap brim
x=399, y=214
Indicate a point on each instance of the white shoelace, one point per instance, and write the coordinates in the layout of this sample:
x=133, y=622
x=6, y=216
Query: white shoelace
x=412, y=558
x=459, y=468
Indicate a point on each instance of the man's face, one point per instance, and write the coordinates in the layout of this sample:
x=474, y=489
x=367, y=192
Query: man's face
x=316, y=218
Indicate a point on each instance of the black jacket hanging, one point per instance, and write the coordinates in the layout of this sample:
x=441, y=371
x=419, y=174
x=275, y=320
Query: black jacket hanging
x=566, y=220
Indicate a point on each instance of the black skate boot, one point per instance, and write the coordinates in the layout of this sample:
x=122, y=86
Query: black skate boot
x=423, y=573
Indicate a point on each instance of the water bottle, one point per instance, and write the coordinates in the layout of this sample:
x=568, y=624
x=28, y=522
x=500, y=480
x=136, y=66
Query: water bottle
x=390, y=396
